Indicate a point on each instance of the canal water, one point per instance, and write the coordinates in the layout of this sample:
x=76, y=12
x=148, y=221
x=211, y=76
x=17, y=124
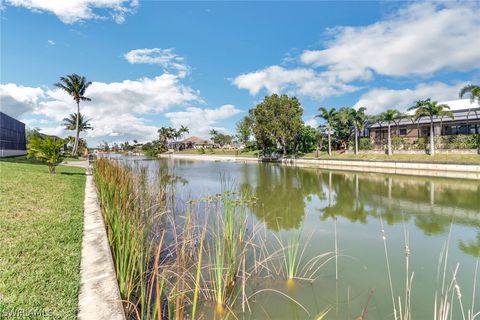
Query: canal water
x=353, y=212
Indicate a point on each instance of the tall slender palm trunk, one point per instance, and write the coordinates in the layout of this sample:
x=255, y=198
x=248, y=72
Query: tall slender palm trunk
x=389, y=143
x=356, y=139
x=432, y=147
x=77, y=131
x=329, y=143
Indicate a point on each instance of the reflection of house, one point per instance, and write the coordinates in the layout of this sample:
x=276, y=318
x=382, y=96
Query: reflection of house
x=466, y=121
x=13, y=141
x=191, y=143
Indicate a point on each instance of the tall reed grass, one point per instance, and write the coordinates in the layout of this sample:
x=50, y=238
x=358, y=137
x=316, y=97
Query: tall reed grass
x=209, y=252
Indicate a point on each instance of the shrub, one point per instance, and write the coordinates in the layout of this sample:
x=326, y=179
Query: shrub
x=47, y=150
x=201, y=151
x=477, y=141
x=398, y=143
x=460, y=141
x=420, y=143
x=365, y=144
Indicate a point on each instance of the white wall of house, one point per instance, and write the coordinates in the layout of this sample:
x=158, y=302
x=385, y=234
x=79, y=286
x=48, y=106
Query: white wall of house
x=11, y=153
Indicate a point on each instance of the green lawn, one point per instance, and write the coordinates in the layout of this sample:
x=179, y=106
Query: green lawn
x=40, y=238
x=454, y=158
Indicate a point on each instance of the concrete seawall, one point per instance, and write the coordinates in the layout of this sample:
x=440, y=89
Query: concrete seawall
x=449, y=170
x=99, y=296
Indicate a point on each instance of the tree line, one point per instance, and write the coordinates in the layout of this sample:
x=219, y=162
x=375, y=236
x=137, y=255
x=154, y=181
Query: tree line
x=277, y=128
x=275, y=124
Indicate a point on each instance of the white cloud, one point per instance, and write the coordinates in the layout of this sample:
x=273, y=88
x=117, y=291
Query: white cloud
x=380, y=99
x=312, y=122
x=17, y=100
x=419, y=39
x=51, y=42
x=301, y=81
x=165, y=58
x=117, y=109
x=201, y=121
x=71, y=11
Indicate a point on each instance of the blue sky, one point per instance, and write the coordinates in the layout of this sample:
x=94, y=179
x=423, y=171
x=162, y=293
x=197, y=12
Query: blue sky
x=204, y=64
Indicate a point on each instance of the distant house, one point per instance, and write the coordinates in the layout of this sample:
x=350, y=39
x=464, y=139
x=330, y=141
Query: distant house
x=191, y=143
x=466, y=120
x=13, y=141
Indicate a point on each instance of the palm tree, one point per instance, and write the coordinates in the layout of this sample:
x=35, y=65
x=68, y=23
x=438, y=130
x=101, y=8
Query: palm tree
x=389, y=116
x=177, y=134
x=46, y=149
x=70, y=123
x=183, y=130
x=75, y=86
x=357, y=119
x=165, y=134
x=328, y=116
x=474, y=91
x=431, y=109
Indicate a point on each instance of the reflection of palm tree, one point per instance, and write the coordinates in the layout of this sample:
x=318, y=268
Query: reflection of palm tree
x=346, y=204
x=472, y=247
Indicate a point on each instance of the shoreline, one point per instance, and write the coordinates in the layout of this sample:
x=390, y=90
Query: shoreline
x=98, y=294
x=418, y=168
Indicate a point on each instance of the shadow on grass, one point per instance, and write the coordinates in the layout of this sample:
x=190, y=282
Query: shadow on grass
x=21, y=159
x=73, y=173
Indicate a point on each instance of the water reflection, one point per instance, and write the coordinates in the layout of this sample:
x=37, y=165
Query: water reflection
x=433, y=203
x=283, y=194
x=286, y=194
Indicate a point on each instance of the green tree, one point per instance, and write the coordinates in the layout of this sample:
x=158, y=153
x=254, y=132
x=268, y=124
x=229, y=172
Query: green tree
x=357, y=120
x=104, y=146
x=178, y=133
x=46, y=149
x=474, y=92
x=75, y=86
x=244, y=130
x=70, y=123
x=276, y=120
x=82, y=144
x=306, y=139
x=165, y=134
x=389, y=116
x=329, y=117
x=430, y=109
x=341, y=127
x=33, y=132
x=319, y=137
x=220, y=138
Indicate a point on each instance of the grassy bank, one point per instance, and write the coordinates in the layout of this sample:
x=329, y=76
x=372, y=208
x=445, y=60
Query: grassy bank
x=453, y=158
x=40, y=238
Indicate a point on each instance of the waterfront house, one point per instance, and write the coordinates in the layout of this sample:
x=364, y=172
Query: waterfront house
x=191, y=143
x=466, y=120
